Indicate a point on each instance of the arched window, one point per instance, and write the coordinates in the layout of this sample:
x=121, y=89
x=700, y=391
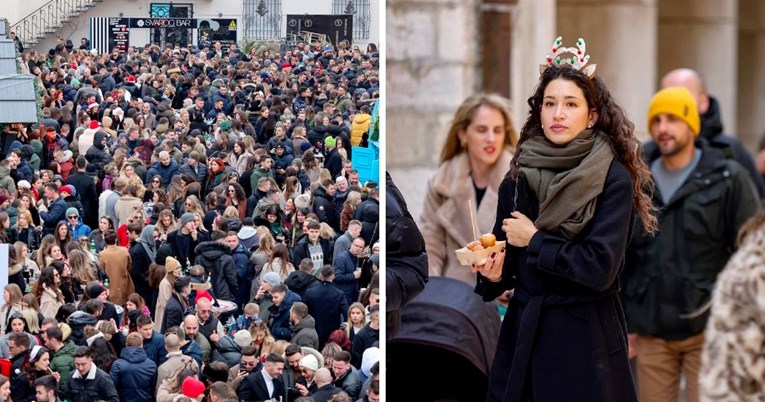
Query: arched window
x=262, y=19
x=361, y=12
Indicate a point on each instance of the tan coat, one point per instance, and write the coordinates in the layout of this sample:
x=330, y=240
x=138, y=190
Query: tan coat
x=125, y=207
x=50, y=303
x=116, y=262
x=165, y=291
x=445, y=221
x=175, y=360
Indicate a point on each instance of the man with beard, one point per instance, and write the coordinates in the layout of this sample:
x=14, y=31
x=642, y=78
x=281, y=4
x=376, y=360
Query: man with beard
x=704, y=199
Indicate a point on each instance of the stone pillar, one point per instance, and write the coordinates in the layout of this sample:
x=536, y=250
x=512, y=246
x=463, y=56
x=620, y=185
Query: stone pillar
x=751, y=73
x=533, y=33
x=432, y=65
x=621, y=39
x=703, y=35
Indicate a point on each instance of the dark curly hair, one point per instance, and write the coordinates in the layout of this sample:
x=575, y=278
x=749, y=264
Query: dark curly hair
x=612, y=121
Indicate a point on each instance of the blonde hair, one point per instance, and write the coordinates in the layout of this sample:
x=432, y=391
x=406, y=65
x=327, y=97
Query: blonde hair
x=464, y=116
x=231, y=212
x=33, y=324
x=349, y=323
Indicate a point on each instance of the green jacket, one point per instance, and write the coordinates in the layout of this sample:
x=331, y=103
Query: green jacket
x=671, y=275
x=257, y=173
x=62, y=362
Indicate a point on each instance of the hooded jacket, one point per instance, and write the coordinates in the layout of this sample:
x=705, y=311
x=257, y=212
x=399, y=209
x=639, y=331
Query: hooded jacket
x=304, y=333
x=79, y=230
x=77, y=322
x=323, y=208
x=299, y=281
x=217, y=260
x=97, y=154
x=359, y=127
x=62, y=362
x=134, y=375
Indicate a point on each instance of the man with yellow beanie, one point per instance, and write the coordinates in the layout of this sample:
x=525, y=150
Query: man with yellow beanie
x=703, y=198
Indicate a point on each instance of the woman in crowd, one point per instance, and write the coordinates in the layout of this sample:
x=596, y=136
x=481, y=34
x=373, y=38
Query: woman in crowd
x=71, y=294
x=63, y=237
x=47, y=291
x=279, y=262
x=29, y=302
x=217, y=174
x=349, y=209
x=129, y=175
x=83, y=270
x=97, y=236
x=172, y=269
x=36, y=366
x=12, y=304
x=356, y=320
x=155, y=185
x=134, y=306
x=16, y=324
x=177, y=305
x=127, y=204
x=142, y=254
x=165, y=224
x=44, y=251
x=235, y=197
x=274, y=218
x=261, y=256
x=5, y=389
x=566, y=210
x=476, y=155
x=262, y=340
x=237, y=159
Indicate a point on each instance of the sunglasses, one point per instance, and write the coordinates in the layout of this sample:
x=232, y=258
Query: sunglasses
x=155, y=181
x=73, y=217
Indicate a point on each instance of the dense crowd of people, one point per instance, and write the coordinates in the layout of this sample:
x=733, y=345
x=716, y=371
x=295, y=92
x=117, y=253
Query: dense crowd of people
x=187, y=224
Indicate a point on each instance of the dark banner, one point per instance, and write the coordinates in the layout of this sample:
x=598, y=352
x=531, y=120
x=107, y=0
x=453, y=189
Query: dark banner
x=213, y=30
x=119, y=34
x=334, y=29
x=108, y=33
x=163, y=23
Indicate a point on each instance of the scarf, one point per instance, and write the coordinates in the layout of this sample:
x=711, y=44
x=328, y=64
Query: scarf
x=566, y=179
x=147, y=241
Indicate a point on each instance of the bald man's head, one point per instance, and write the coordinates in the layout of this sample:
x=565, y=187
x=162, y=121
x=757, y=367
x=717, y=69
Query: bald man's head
x=690, y=79
x=203, y=308
x=322, y=377
x=172, y=343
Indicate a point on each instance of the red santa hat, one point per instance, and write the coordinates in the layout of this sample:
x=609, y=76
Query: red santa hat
x=131, y=78
x=92, y=105
x=94, y=125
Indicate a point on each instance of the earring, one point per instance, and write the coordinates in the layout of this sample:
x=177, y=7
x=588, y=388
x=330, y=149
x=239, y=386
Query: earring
x=589, y=125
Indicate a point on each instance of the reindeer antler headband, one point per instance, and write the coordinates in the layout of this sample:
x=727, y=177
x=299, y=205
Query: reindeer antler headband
x=578, y=58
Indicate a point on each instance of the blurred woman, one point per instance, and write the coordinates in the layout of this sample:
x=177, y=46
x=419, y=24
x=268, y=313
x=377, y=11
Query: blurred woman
x=279, y=262
x=5, y=389
x=63, y=236
x=165, y=224
x=274, y=218
x=235, y=197
x=349, y=209
x=46, y=289
x=356, y=320
x=11, y=304
x=475, y=157
x=261, y=256
x=42, y=253
x=237, y=159
x=135, y=303
x=97, y=236
x=71, y=294
x=25, y=231
x=155, y=186
x=83, y=270
x=262, y=340
x=173, y=272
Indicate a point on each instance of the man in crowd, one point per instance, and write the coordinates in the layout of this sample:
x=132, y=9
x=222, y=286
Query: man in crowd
x=265, y=384
x=327, y=304
x=134, y=373
x=704, y=199
x=90, y=383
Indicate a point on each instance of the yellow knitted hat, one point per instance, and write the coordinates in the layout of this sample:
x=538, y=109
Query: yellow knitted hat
x=677, y=101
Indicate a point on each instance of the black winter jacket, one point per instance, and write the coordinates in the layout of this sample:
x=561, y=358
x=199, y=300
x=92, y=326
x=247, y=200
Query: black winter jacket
x=134, y=374
x=217, y=260
x=96, y=386
x=673, y=273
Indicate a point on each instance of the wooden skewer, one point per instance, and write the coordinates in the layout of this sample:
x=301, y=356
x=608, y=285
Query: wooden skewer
x=472, y=219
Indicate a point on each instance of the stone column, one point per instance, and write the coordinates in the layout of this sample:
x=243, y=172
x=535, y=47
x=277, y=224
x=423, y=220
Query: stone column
x=751, y=73
x=432, y=65
x=703, y=35
x=533, y=33
x=621, y=39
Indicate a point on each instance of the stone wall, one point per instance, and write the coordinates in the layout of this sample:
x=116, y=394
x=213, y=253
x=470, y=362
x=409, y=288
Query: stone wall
x=432, y=65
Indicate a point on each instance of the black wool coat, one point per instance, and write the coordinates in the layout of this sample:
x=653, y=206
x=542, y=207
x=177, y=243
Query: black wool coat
x=564, y=335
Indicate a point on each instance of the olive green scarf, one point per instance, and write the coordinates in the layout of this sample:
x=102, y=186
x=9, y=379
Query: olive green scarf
x=566, y=179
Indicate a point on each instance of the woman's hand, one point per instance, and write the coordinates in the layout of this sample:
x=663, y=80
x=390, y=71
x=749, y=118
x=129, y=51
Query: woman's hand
x=491, y=269
x=519, y=229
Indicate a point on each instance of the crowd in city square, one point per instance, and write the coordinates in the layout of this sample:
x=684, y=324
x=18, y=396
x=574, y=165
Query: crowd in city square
x=632, y=271
x=187, y=224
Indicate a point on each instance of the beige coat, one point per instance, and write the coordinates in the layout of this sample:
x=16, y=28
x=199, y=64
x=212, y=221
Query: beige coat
x=125, y=207
x=165, y=291
x=49, y=302
x=175, y=360
x=116, y=262
x=445, y=222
